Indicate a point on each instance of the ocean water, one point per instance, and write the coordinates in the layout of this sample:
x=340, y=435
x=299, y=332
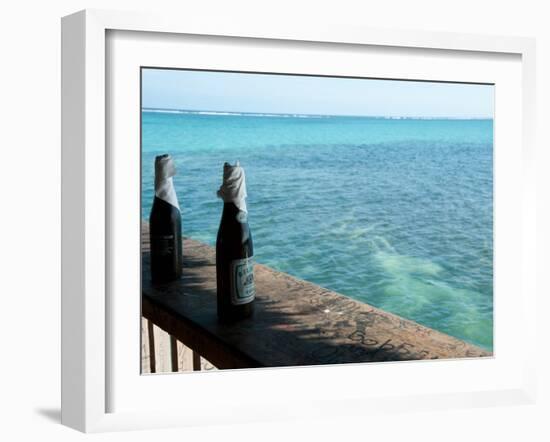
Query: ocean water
x=397, y=213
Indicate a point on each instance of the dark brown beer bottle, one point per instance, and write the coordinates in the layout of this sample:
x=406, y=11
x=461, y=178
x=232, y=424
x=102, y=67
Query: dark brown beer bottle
x=234, y=251
x=165, y=225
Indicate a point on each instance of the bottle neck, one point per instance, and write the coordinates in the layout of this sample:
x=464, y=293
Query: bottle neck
x=164, y=187
x=232, y=213
x=163, y=184
x=164, y=190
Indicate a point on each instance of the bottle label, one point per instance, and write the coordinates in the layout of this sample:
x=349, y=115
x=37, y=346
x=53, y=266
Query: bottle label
x=243, y=289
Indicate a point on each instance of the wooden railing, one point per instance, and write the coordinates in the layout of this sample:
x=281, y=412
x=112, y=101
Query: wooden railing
x=161, y=352
x=295, y=323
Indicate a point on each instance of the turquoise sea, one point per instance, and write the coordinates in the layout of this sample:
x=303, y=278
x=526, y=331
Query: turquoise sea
x=397, y=213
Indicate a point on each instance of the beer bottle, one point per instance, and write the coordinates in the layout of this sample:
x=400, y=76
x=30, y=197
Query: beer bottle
x=165, y=224
x=234, y=250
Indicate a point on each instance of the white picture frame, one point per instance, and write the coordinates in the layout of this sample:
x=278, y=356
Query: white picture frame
x=87, y=207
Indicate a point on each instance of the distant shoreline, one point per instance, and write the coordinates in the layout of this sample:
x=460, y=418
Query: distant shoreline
x=298, y=115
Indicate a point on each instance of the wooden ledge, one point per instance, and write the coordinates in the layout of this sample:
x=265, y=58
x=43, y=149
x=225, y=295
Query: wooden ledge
x=295, y=322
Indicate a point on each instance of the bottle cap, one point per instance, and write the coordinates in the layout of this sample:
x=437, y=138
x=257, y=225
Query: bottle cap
x=165, y=169
x=233, y=188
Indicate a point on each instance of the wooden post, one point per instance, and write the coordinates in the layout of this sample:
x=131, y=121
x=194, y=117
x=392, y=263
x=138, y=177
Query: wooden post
x=196, y=361
x=151, y=334
x=174, y=353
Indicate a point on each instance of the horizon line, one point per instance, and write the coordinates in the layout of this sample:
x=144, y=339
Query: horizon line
x=297, y=115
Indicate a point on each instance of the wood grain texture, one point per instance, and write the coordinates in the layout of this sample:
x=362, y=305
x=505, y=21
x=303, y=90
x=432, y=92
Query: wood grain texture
x=295, y=322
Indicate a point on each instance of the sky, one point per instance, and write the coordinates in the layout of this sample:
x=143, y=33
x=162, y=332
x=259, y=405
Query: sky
x=289, y=94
